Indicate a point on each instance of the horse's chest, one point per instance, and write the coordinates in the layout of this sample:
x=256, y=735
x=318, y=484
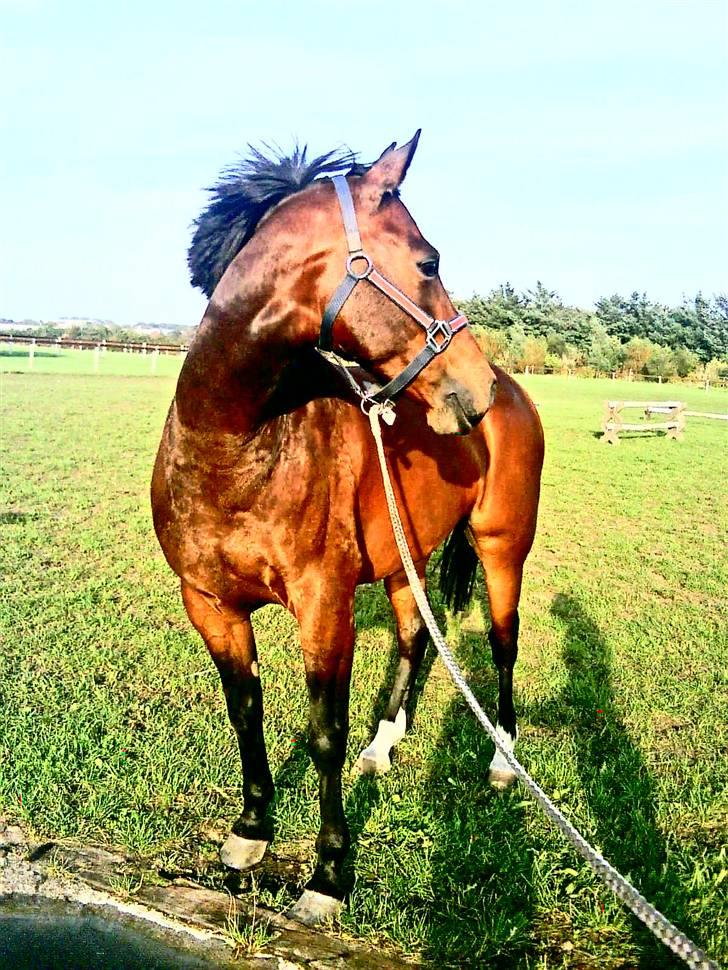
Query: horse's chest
x=257, y=539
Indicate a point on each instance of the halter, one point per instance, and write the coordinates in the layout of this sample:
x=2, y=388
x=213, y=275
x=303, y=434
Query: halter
x=438, y=333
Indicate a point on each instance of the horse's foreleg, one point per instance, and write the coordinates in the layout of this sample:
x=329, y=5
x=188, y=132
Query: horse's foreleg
x=411, y=642
x=328, y=648
x=228, y=635
x=503, y=568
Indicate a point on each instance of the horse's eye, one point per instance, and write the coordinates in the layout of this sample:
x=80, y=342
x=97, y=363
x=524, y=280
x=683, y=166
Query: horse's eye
x=429, y=267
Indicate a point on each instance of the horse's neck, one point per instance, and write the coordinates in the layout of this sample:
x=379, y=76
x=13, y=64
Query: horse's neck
x=229, y=375
x=234, y=379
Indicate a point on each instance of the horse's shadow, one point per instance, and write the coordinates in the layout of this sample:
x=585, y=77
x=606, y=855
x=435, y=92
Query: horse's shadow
x=458, y=811
x=613, y=777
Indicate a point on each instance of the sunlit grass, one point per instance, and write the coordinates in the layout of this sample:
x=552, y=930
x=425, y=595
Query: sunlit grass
x=114, y=726
x=18, y=359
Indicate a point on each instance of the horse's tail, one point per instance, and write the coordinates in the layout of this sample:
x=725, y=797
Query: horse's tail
x=458, y=568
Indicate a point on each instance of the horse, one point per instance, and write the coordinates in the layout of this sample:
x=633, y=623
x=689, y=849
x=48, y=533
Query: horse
x=266, y=487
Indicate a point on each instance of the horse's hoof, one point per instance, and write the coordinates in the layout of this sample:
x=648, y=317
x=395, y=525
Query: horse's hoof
x=372, y=762
x=313, y=908
x=500, y=780
x=501, y=775
x=240, y=853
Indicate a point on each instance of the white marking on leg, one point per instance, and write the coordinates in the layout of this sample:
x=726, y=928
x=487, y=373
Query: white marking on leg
x=314, y=908
x=255, y=669
x=500, y=773
x=375, y=759
x=240, y=853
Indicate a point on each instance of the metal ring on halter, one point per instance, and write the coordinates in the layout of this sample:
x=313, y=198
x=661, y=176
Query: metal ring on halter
x=367, y=271
x=438, y=328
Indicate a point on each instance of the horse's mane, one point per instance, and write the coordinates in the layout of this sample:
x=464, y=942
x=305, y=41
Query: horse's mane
x=243, y=195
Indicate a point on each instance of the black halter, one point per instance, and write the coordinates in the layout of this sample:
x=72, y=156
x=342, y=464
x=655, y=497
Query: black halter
x=438, y=333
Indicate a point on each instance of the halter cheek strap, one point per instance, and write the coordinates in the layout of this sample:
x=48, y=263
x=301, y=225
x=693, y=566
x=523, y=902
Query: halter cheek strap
x=438, y=333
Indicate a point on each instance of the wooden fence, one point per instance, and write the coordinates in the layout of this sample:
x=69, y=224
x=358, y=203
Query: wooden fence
x=614, y=423
x=673, y=425
x=77, y=343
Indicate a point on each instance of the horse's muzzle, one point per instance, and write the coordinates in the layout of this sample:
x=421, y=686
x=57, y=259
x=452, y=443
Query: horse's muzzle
x=459, y=413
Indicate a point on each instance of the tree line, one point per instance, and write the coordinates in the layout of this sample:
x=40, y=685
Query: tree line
x=536, y=330
x=105, y=330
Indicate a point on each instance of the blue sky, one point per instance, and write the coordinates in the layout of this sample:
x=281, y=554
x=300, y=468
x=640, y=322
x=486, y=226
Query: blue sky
x=583, y=144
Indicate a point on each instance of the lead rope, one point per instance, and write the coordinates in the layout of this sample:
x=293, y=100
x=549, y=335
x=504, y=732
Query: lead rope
x=663, y=929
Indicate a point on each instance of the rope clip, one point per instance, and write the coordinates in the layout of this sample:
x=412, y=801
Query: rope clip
x=384, y=410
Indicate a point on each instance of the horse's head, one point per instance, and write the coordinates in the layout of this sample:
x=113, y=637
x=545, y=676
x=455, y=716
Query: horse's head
x=379, y=330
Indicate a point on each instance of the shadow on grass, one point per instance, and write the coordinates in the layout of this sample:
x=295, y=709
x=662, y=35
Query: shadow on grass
x=467, y=882
x=483, y=869
x=17, y=518
x=633, y=435
x=613, y=775
x=24, y=352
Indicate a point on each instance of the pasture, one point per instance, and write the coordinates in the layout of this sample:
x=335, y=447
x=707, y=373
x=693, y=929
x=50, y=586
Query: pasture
x=15, y=358
x=114, y=728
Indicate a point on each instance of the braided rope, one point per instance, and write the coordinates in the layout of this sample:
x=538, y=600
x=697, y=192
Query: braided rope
x=662, y=928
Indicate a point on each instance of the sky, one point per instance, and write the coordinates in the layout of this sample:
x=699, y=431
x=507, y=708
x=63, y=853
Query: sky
x=581, y=144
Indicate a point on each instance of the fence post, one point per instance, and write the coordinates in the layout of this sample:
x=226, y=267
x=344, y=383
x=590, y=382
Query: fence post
x=31, y=354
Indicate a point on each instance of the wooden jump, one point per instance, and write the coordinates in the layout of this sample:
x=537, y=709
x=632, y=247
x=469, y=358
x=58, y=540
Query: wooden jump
x=614, y=424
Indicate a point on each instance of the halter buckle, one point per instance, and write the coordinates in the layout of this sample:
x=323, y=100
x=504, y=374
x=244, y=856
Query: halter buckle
x=437, y=329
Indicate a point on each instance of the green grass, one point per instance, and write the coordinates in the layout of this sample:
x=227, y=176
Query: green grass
x=114, y=726
x=15, y=359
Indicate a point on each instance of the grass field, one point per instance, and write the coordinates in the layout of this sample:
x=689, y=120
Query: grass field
x=16, y=359
x=114, y=726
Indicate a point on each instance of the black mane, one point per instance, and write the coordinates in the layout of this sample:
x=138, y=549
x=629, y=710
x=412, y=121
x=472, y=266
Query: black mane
x=243, y=195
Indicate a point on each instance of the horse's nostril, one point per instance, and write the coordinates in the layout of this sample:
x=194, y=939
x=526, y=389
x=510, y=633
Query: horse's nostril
x=464, y=408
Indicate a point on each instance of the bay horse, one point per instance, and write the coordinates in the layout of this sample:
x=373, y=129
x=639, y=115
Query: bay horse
x=266, y=487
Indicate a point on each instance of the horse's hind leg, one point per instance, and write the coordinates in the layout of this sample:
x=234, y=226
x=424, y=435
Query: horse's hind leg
x=502, y=559
x=411, y=642
x=228, y=635
x=502, y=526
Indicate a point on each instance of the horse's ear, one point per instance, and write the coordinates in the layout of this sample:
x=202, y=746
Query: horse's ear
x=389, y=170
x=386, y=151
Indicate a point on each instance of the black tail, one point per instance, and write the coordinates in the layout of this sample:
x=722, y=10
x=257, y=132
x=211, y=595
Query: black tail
x=458, y=568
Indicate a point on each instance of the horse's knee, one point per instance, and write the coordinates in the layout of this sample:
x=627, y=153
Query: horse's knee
x=327, y=744
x=412, y=635
x=244, y=699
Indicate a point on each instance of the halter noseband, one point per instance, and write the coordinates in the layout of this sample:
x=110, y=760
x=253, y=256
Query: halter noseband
x=438, y=333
